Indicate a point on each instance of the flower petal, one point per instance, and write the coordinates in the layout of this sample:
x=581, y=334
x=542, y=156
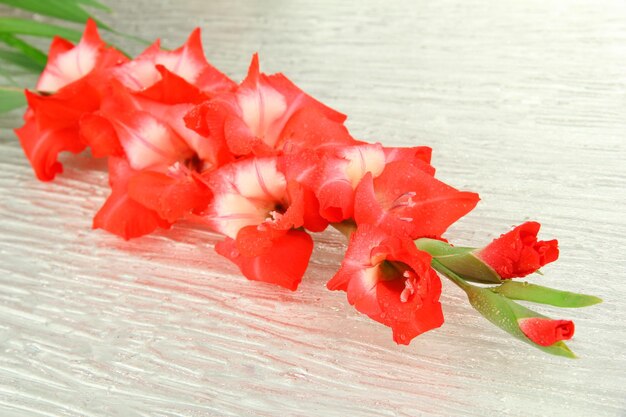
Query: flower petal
x=187, y=62
x=43, y=147
x=252, y=119
x=406, y=200
x=171, y=198
x=68, y=66
x=545, y=331
x=98, y=133
x=518, y=252
x=244, y=194
x=148, y=141
x=120, y=214
x=390, y=281
x=271, y=265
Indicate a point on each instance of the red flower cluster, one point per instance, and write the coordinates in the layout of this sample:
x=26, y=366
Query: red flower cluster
x=262, y=163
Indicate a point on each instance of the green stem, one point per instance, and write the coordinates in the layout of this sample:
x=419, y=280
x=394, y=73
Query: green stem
x=460, y=282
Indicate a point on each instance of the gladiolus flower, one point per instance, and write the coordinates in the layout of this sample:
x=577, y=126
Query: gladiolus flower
x=187, y=62
x=389, y=280
x=74, y=80
x=259, y=211
x=264, y=113
x=165, y=158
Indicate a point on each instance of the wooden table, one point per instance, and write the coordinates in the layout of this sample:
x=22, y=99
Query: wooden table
x=523, y=102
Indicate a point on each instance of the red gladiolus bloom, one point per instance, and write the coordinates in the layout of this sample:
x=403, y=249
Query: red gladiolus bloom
x=518, y=252
x=187, y=62
x=545, y=331
x=259, y=212
x=165, y=158
x=68, y=63
x=77, y=76
x=387, y=278
x=264, y=113
x=406, y=199
x=339, y=172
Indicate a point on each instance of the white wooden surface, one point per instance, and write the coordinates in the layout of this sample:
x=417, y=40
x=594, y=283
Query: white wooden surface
x=523, y=102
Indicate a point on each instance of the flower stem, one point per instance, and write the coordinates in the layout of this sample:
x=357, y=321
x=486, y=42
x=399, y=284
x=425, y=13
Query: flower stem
x=460, y=282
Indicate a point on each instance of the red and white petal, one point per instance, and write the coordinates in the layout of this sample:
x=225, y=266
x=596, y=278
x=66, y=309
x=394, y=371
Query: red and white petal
x=361, y=160
x=244, y=193
x=230, y=212
x=208, y=149
x=260, y=110
x=66, y=67
x=339, y=174
x=137, y=74
x=262, y=107
x=187, y=62
x=148, y=142
x=358, y=255
x=259, y=179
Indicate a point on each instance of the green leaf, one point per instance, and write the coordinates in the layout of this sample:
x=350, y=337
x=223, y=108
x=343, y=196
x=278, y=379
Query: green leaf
x=460, y=260
x=94, y=4
x=34, y=54
x=11, y=98
x=18, y=59
x=538, y=294
x=69, y=10
x=502, y=311
x=17, y=26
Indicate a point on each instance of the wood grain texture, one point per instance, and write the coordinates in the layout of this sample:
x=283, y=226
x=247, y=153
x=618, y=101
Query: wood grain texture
x=523, y=102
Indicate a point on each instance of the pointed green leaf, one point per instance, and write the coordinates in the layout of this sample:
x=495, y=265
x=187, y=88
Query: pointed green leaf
x=93, y=3
x=11, y=98
x=29, y=51
x=17, y=26
x=460, y=260
x=61, y=9
x=538, y=294
x=20, y=60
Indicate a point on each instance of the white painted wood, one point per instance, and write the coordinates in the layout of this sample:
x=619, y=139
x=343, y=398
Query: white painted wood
x=523, y=102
